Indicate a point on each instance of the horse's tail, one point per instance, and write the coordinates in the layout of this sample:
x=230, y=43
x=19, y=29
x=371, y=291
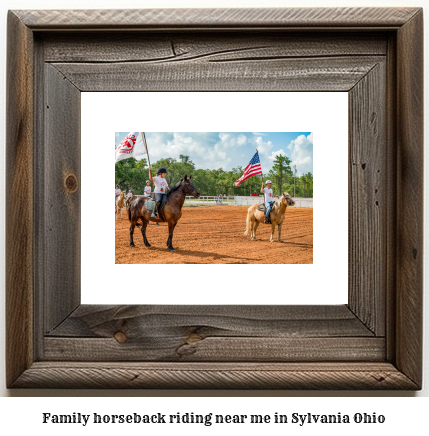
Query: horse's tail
x=129, y=211
x=248, y=232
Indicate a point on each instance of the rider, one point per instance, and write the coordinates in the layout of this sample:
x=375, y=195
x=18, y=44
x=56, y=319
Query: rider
x=147, y=189
x=161, y=187
x=268, y=199
x=129, y=195
x=117, y=191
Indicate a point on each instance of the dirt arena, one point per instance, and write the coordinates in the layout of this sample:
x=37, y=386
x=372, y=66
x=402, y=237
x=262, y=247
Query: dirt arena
x=215, y=234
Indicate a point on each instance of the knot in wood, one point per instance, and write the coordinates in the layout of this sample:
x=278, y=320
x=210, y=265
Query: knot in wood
x=71, y=183
x=120, y=337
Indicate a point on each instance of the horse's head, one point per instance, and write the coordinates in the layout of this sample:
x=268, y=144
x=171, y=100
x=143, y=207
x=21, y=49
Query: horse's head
x=123, y=194
x=287, y=199
x=189, y=188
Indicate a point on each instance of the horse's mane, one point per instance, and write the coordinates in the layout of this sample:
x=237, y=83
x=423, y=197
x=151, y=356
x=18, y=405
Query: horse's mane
x=174, y=188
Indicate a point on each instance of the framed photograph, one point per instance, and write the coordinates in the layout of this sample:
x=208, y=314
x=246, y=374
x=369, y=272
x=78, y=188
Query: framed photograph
x=60, y=63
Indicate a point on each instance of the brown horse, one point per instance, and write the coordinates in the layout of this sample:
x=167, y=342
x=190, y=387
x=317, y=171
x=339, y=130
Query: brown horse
x=255, y=216
x=119, y=203
x=172, y=211
x=128, y=201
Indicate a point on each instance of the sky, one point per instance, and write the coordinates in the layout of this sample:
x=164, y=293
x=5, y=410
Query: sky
x=213, y=150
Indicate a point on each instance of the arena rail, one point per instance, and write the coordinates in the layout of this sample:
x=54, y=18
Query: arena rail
x=240, y=201
x=206, y=200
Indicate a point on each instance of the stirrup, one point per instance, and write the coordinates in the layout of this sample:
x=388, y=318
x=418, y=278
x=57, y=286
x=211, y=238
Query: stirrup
x=156, y=210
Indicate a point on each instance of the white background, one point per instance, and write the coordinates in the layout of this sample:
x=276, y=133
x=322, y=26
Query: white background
x=408, y=416
x=323, y=113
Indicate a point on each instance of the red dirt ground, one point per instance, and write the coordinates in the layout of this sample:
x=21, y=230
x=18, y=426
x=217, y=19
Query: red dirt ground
x=215, y=234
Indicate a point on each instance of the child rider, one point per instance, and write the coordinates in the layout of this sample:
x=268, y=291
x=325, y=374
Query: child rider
x=268, y=199
x=161, y=187
x=147, y=189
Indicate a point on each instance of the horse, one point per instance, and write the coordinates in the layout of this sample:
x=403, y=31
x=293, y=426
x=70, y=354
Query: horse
x=255, y=216
x=172, y=211
x=119, y=203
x=128, y=201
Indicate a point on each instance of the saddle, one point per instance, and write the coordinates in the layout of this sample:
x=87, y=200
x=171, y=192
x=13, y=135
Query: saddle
x=261, y=207
x=150, y=205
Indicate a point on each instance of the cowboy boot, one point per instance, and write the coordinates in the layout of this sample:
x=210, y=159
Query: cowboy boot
x=155, y=210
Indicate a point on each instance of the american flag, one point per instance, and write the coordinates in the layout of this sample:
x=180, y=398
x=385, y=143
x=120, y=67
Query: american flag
x=252, y=169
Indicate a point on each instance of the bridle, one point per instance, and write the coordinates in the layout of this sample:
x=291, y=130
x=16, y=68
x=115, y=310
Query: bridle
x=289, y=201
x=186, y=188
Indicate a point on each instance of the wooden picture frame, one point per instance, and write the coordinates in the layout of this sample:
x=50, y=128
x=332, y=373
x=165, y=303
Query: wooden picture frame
x=373, y=342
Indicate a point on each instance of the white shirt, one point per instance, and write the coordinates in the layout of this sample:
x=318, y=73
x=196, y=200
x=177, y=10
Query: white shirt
x=129, y=195
x=160, y=185
x=268, y=195
x=147, y=190
x=117, y=191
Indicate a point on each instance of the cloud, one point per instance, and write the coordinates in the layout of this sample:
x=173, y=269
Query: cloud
x=263, y=147
x=280, y=152
x=302, y=153
x=206, y=150
x=232, y=140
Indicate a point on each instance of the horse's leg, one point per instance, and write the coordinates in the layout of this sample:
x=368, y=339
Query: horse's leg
x=255, y=224
x=273, y=229
x=145, y=223
x=171, y=226
x=133, y=224
x=254, y=229
x=280, y=233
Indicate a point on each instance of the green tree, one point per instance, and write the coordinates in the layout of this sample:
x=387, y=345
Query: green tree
x=280, y=172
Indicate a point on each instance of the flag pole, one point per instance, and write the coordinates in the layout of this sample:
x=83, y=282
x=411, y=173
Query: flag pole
x=147, y=152
x=145, y=146
x=262, y=174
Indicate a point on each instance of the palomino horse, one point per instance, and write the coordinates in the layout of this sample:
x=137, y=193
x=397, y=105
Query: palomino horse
x=119, y=203
x=172, y=211
x=255, y=216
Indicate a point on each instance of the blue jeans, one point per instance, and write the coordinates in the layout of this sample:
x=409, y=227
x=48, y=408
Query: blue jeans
x=159, y=196
x=267, y=208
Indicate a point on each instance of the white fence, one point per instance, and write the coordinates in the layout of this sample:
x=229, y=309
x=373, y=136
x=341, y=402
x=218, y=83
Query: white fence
x=239, y=201
x=207, y=200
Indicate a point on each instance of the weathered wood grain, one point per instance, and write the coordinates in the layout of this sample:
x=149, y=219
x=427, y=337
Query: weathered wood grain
x=20, y=188
x=213, y=333
x=195, y=348
x=325, y=74
x=409, y=266
x=208, y=18
x=173, y=47
x=368, y=201
x=121, y=375
x=136, y=322
x=391, y=192
x=61, y=188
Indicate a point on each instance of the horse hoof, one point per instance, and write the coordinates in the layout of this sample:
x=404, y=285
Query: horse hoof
x=148, y=245
x=172, y=250
x=132, y=245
